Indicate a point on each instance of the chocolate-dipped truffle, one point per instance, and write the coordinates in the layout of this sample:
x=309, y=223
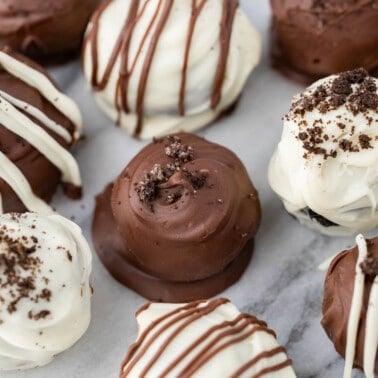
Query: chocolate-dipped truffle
x=203, y=339
x=315, y=38
x=38, y=124
x=325, y=166
x=164, y=66
x=179, y=222
x=45, y=294
x=47, y=31
x=350, y=306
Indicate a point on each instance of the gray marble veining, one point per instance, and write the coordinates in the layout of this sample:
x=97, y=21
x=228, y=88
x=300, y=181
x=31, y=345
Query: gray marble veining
x=282, y=285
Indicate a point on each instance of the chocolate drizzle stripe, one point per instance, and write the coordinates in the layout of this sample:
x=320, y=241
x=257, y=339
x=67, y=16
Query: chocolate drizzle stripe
x=274, y=368
x=201, y=339
x=124, y=73
x=196, y=11
x=229, y=10
x=258, y=358
x=198, y=313
x=191, y=307
x=20, y=185
x=208, y=354
x=122, y=46
x=147, y=65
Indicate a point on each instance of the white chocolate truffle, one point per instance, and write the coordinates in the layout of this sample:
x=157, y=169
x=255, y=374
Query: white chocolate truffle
x=163, y=66
x=203, y=339
x=325, y=168
x=45, y=294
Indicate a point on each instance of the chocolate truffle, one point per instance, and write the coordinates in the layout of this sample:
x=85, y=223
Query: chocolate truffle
x=203, y=339
x=47, y=31
x=164, y=66
x=38, y=124
x=45, y=294
x=315, y=38
x=325, y=166
x=179, y=222
x=350, y=306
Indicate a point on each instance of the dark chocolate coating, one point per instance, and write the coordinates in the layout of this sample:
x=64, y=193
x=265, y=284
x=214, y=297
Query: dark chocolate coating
x=112, y=251
x=201, y=243
x=41, y=174
x=315, y=38
x=45, y=30
x=338, y=292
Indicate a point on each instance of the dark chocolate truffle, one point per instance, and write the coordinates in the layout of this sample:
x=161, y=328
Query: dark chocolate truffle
x=45, y=30
x=315, y=38
x=350, y=305
x=181, y=220
x=38, y=124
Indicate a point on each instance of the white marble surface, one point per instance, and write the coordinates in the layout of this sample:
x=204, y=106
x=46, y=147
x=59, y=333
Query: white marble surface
x=282, y=285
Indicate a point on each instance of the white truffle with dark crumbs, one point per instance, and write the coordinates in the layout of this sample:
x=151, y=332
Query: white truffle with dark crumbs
x=45, y=264
x=325, y=168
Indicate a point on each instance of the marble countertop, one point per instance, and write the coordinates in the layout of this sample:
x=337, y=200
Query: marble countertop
x=282, y=284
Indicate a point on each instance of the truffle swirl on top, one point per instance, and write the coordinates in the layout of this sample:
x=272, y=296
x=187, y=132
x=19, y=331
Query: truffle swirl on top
x=204, y=339
x=163, y=66
x=185, y=207
x=325, y=168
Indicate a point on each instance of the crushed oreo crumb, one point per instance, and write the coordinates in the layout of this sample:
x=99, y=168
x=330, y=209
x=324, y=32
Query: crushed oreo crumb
x=355, y=90
x=148, y=189
x=20, y=269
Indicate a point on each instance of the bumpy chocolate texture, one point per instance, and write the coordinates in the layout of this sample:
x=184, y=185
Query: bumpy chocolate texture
x=325, y=166
x=45, y=264
x=315, y=38
x=38, y=124
x=181, y=221
x=46, y=30
x=204, y=339
x=351, y=304
x=163, y=66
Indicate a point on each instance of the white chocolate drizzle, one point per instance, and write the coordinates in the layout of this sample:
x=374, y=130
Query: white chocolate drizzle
x=18, y=117
x=371, y=331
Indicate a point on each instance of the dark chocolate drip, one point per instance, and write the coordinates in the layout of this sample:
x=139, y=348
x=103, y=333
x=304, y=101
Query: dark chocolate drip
x=122, y=49
x=147, y=65
x=258, y=358
x=196, y=11
x=229, y=10
x=237, y=330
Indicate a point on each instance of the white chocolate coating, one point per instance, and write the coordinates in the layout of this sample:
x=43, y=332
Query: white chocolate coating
x=203, y=339
x=53, y=311
x=23, y=124
x=341, y=187
x=161, y=115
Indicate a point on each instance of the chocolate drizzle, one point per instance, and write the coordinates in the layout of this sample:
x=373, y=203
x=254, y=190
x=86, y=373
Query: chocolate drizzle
x=156, y=27
x=207, y=346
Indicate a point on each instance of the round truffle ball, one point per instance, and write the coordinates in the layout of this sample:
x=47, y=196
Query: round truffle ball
x=47, y=31
x=45, y=264
x=325, y=168
x=160, y=67
x=183, y=211
x=203, y=339
x=350, y=306
x=314, y=38
x=38, y=126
